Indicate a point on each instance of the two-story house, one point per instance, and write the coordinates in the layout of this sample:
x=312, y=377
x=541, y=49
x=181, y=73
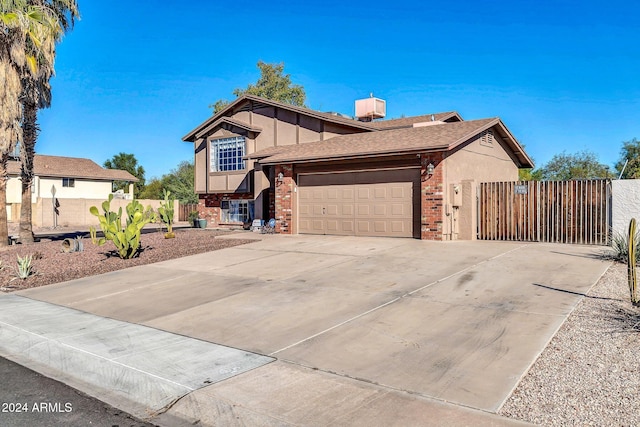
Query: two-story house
x=324, y=173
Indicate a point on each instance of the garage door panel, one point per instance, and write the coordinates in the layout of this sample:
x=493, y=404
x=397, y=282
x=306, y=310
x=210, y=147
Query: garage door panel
x=364, y=227
x=380, y=193
x=362, y=210
x=400, y=192
x=364, y=193
x=397, y=226
x=400, y=209
x=376, y=203
x=305, y=225
x=380, y=210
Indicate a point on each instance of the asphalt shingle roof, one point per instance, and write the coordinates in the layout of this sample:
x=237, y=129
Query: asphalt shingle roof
x=442, y=136
x=410, y=121
x=71, y=167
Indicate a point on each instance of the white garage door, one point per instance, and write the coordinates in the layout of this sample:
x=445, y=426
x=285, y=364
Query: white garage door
x=371, y=203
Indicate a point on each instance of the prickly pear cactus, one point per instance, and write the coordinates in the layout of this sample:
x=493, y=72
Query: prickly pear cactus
x=165, y=211
x=127, y=239
x=631, y=263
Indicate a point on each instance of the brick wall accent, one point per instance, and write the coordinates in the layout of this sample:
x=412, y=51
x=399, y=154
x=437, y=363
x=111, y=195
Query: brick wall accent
x=284, y=199
x=209, y=205
x=431, y=196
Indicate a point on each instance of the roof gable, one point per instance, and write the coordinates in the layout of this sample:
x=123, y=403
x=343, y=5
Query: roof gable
x=255, y=101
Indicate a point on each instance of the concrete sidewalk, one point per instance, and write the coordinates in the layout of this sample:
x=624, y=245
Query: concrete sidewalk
x=366, y=331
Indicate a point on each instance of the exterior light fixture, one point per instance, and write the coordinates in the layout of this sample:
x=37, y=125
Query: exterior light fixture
x=280, y=177
x=430, y=169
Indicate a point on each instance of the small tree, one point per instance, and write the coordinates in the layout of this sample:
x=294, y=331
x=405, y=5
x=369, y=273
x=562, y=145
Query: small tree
x=273, y=84
x=582, y=165
x=129, y=163
x=629, y=156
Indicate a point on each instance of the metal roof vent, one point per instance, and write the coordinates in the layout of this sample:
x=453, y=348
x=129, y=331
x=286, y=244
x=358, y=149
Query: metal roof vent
x=370, y=108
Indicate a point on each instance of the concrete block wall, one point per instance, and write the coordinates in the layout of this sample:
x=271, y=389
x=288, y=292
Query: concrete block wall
x=625, y=204
x=75, y=212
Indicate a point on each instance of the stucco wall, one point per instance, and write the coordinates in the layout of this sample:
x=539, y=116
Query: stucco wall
x=625, y=204
x=473, y=163
x=482, y=163
x=82, y=189
x=278, y=126
x=14, y=190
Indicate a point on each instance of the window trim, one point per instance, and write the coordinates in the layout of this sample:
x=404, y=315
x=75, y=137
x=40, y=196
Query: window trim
x=238, y=162
x=248, y=212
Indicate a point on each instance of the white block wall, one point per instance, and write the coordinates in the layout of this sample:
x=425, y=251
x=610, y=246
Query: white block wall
x=625, y=204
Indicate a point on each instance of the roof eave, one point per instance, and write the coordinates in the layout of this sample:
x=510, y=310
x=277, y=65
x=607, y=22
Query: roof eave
x=355, y=156
x=221, y=120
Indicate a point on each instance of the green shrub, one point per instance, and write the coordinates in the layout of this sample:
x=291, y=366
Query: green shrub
x=620, y=247
x=24, y=268
x=127, y=239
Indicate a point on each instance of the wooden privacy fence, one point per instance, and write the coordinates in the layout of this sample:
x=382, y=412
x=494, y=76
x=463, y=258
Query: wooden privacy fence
x=576, y=211
x=185, y=210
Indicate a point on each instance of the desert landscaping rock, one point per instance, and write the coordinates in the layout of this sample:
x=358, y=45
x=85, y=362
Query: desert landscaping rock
x=588, y=374
x=52, y=265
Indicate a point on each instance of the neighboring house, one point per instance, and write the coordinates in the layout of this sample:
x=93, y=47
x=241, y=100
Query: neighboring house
x=324, y=173
x=70, y=177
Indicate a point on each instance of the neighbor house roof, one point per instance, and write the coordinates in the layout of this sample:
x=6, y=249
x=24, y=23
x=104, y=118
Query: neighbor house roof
x=443, y=136
x=71, y=167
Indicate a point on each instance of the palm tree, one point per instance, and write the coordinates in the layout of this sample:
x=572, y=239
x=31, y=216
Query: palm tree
x=36, y=94
x=16, y=24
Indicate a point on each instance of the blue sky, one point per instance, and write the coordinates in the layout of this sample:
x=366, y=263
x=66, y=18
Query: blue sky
x=136, y=76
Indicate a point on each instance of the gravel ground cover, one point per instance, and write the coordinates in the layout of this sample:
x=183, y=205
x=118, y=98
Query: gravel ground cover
x=588, y=375
x=52, y=265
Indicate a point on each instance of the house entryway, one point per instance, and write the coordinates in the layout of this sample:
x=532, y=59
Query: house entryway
x=576, y=211
x=364, y=203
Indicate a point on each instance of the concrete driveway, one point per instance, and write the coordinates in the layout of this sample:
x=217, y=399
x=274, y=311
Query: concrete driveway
x=362, y=330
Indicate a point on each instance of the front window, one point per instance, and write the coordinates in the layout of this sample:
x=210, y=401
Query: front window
x=227, y=154
x=237, y=210
x=68, y=182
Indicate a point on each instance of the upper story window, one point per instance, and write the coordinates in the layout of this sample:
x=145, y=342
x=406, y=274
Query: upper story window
x=227, y=154
x=68, y=182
